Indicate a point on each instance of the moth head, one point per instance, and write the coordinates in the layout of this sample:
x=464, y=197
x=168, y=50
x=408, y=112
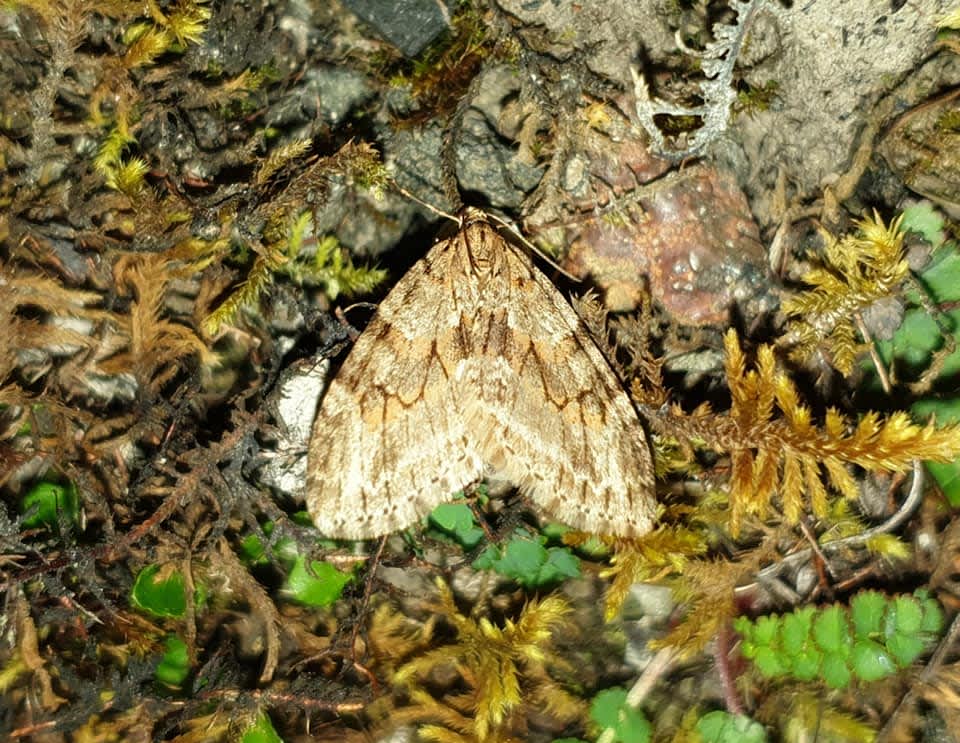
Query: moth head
x=471, y=216
x=480, y=247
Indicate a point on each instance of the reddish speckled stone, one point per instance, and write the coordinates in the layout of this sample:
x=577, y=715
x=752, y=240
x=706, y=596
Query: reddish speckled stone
x=625, y=220
x=695, y=241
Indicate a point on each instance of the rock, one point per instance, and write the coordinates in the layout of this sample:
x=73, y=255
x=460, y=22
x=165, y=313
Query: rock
x=407, y=24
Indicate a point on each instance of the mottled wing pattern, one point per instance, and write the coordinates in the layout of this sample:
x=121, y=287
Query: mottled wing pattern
x=473, y=362
x=388, y=443
x=545, y=409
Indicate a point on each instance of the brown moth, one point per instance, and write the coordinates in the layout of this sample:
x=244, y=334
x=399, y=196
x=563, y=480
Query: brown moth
x=475, y=364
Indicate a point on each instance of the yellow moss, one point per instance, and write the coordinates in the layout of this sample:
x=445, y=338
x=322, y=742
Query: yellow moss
x=127, y=176
x=776, y=449
x=857, y=271
x=492, y=659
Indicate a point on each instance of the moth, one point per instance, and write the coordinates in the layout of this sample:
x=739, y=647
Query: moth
x=474, y=365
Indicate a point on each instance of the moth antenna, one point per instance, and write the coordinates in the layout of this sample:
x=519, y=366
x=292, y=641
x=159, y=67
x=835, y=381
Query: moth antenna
x=425, y=204
x=356, y=306
x=509, y=226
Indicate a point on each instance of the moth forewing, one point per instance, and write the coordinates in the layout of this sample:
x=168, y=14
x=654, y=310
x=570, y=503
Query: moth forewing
x=474, y=360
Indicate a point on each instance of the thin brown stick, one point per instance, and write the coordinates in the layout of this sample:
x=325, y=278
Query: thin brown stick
x=367, y=592
x=909, y=699
x=909, y=505
x=721, y=660
x=874, y=356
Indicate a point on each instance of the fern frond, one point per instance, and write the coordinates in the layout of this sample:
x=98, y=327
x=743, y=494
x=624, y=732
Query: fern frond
x=858, y=270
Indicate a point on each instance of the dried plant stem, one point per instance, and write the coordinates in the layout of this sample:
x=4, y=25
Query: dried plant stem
x=822, y=564
x=874, y=356
x=367, y=592
x=271, y=698
x=656, y=668
x=888, y=732
x=903, y=513
x=721, y=659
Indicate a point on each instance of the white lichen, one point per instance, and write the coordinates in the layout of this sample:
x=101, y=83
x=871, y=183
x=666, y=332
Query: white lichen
x=718, y=60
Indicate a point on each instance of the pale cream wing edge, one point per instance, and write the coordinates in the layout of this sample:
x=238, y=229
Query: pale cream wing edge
x=371, y=467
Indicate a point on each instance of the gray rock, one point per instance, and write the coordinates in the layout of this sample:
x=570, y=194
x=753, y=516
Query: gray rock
x=330, y=92
x=407, y=24
x=605, y=35
x=835, y=61
x=486, y=164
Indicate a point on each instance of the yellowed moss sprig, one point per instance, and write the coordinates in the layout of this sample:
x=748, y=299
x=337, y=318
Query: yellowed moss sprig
x=857, y=271
x=280, y=157
x=653, y=557
x=25, y=295
x=287, y=227
x=157, y=345
x=330, y=268
x=492, y=660
x=776, y=449
x=128, y=176
x=146, y=42
x=124, y=174
x=184, y=24
x=187, y=21
x=245, y=296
